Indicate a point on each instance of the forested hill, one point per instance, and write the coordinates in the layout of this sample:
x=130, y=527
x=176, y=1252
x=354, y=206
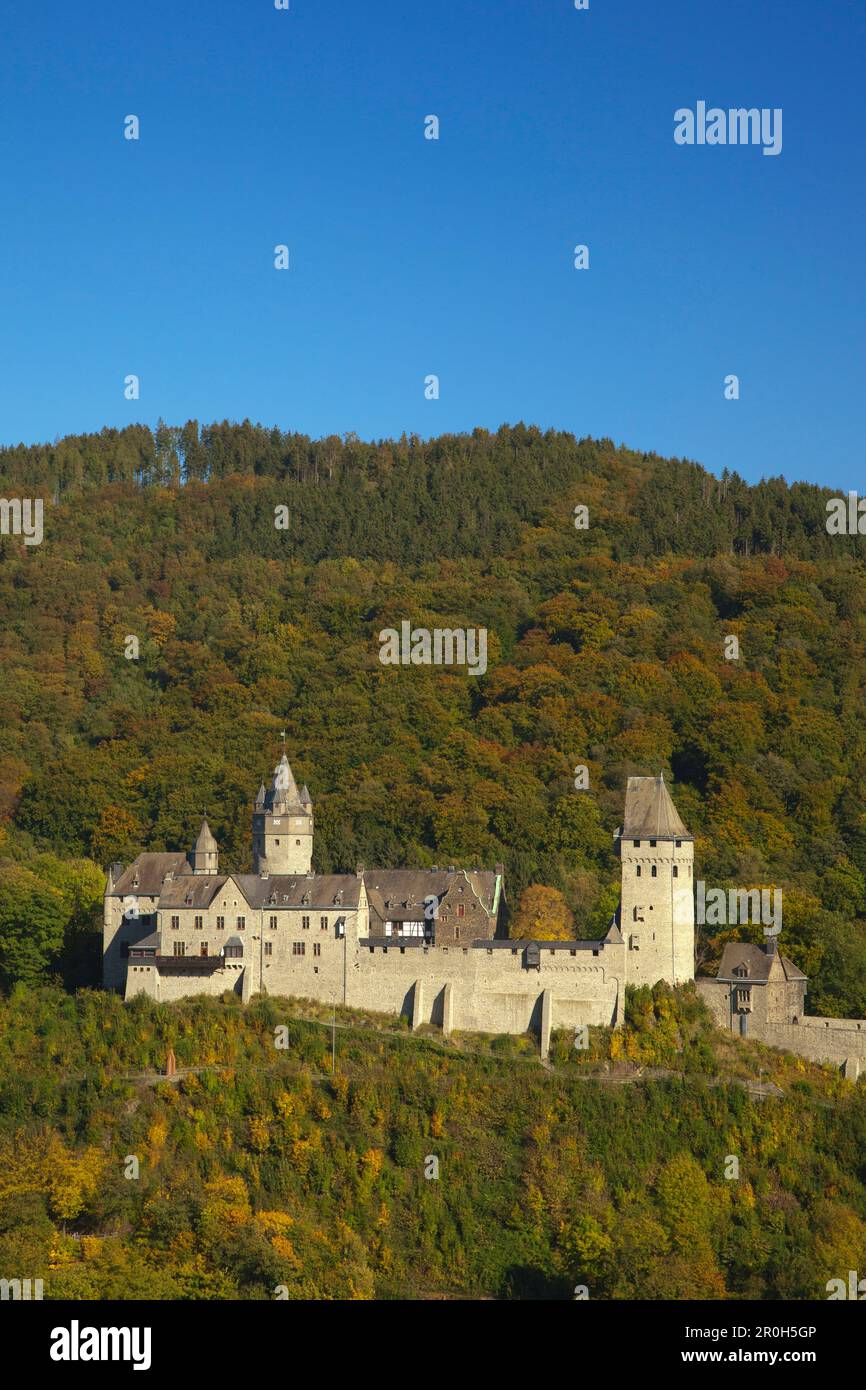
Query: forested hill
x=472, y=493
x=606, y=648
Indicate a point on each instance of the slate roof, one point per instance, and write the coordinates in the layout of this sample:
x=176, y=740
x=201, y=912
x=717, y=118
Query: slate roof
x=205, y=844
x=283, y=794
x=151, y=869
x=291, y=889
x=397, y=895
x=147, y=943
x=200, y=889
x=759, y=961
x=650, y=814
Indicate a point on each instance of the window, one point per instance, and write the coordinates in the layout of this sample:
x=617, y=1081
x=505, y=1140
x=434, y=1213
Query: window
x=276, y=842
x=637, y=844
x=317, y=948
x=221, y=922
x=637, y=913
x=305, y=923
x=234, y=950
x=676, y=872
x=272, y=923
x=461, y=909
x=654, y=872
x=297, y=842
x=199, y=923
x=635, y=943
x=299, y=948
x=652, y=844
x=638, y=870
x=323, y=924
x=180, y=948
x=203, y=949
x=242, y=924
x=175, y=923
x=456, y=933
x=269, y=948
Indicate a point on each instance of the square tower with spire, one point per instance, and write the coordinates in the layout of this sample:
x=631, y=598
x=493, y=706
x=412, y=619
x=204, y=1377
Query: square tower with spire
x=283, y=825
x=657, y=910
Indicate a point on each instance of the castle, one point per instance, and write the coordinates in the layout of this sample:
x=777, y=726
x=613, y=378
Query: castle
x=428, y=943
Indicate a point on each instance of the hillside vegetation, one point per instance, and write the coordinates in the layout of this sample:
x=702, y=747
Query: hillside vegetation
x=606, y=649
x=260, y=1170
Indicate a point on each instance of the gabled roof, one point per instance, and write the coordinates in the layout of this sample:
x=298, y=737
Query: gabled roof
x=191, y=890
x=150, y=870
x=290, y=890
x=650, y=814
x=761, y=964
x=398, y=895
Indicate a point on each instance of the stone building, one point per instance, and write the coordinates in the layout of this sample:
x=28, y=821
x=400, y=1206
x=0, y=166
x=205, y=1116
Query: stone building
x=755, y=985
x=758, y=993
x=429, y=943
x=424, y=942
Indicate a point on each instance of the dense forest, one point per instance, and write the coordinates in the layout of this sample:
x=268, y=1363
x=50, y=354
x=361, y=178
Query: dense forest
x=606, y=649
x=258, y=1169
x=258, y=1172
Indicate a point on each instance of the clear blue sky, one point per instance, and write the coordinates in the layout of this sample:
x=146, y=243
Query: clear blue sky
x=454, y=257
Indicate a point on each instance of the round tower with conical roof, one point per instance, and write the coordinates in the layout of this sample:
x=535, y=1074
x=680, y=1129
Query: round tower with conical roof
x=205, y=854
x=283, y=826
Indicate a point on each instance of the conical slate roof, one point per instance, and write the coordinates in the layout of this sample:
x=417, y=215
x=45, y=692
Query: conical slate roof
x=205, y=844
x=650, y=814
x=283, y=790
x=305, y=796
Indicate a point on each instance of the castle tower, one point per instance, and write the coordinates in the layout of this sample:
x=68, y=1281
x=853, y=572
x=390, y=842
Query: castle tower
x=657, y=908
x=283, y=826
x=205, y=855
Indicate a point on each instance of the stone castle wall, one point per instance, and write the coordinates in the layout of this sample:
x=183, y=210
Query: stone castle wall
x=478, y=989
x=777, y=1019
